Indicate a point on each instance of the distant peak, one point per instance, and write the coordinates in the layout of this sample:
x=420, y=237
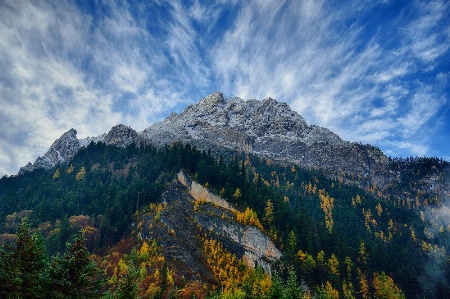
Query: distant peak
x=269, y=99
x=120, y=135
x=71, y=133
x=213, y=99
x=120, y=127
x=120, y=130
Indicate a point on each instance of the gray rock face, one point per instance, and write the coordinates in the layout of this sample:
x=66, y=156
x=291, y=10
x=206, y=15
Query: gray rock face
x=266, y=127
x=257, y=247
x=63, y=149
x=180, y=224
x=121, y=136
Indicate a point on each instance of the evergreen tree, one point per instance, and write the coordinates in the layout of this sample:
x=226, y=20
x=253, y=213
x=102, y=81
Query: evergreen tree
x=8, y=273
x=23, y=266
x=292, y=245
x=128, y=285
x=292, y=289
x=75, y=275
x=276, y=290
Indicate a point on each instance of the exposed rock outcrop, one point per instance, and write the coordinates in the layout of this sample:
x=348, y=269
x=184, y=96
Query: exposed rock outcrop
x=258, y=248
x=63, y=149
x=121, y=136
x=180, y=221
x=199, y=192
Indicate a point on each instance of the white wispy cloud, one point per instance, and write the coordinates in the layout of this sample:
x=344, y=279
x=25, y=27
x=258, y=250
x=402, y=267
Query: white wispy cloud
x=62, y=71
x=43, y=92
x=332, y=73
x=120, y=62
x=425, y=42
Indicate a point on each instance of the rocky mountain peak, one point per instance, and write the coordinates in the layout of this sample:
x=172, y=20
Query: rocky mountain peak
x=267, y=127
x=120, y=135
x=254, y=117
x=72, y=134
x=63, y=149
x=214, y=99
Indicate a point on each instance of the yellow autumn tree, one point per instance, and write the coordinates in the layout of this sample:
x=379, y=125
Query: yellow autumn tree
x=379, y=209
x=57, y=173
x=348, y=291
x=328, y=292
x=385, y=288
x=268, y=213
x=81, y=174
x=70, y=169
x=327, y=204
x=233, y=273
x=237, y=194
x=363, y=285
x=367, y=218
x=348, y=267
x=249, y=217
x=333, y=265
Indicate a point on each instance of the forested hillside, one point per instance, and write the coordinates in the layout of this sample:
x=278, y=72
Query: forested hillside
x=337, y=240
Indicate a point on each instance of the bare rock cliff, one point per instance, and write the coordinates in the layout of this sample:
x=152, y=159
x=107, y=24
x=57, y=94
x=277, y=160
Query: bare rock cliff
x=179, y=226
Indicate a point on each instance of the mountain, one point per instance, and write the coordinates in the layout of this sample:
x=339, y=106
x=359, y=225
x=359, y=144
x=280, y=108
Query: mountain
x=65, y=147
x=209, y=202
x=266, y=127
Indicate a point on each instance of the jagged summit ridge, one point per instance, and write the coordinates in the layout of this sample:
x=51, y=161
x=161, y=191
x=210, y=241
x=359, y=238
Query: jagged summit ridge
x=120, y=135
x=252, y=117
x=63, y=149
x=66, y=147
x=267, y=127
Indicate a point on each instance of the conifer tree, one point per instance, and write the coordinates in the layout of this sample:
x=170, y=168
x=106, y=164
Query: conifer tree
x=24, y=265
x=327, y=292
x=292, y=244
x=127, y=287
x=292, y=289
x=56, y=174
x=70, y=169
x=237, y=194
x=81, y=174
x=385, y=288
x=276, y=290
x=75, y=275
x=8, y=273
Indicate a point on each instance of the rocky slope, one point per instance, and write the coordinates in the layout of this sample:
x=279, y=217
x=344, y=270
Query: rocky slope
x=257, y=247
x=179, y=227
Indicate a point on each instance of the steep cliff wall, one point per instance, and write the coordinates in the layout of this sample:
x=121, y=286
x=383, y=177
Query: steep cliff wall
x=199, y=192
x=258, y=248
x=179, y=226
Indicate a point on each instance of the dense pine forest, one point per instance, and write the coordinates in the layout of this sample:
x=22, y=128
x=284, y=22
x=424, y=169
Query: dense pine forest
x=71, y=232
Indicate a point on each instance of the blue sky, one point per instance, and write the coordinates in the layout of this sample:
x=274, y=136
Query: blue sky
x=371, y=71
